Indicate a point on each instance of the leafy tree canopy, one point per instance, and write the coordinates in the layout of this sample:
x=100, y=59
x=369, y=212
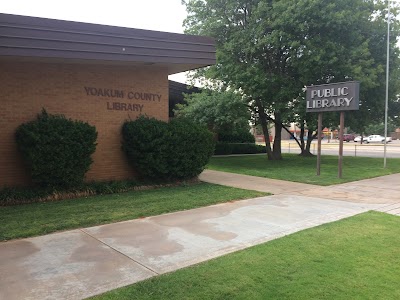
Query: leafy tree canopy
x=219, y=110
x=271, y=49
x=379, y=128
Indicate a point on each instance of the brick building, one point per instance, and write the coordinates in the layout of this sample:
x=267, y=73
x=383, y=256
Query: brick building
x=99, y=74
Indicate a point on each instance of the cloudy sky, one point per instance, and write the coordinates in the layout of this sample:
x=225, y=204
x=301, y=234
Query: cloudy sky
x=160, y=15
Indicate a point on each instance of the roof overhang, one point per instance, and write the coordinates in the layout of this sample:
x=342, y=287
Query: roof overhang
x=48, y=40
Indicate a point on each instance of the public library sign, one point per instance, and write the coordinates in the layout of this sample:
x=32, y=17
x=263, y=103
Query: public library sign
x=341, y=96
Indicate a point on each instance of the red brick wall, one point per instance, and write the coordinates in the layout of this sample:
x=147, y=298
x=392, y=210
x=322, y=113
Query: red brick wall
x=27, y=87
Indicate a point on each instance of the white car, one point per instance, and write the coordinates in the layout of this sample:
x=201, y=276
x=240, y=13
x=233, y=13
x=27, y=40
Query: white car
x=377, y=139
x=357, y=139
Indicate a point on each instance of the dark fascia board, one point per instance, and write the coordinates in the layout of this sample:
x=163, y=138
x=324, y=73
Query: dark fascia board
x=176, y=91
x=22, y=36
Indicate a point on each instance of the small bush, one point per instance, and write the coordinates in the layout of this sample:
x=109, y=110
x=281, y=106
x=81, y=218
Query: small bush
x=24, y=195
x=12, y=196
x=167, y=151
x=191, y=147
x=261, y=149
x=56, y=150
x=238, y=148
x=223, y=149
x=243, y=136
x=145, y=144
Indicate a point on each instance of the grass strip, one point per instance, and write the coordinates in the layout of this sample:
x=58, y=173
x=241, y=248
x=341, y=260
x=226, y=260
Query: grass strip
x=42, y=218
x=303, y=169
x=355, y=258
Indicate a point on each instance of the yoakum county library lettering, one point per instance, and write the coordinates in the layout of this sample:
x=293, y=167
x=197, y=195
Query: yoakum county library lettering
x=112, y=93
x=123, y=106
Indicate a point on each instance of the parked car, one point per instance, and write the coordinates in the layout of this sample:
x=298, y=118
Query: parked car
x=357, y=139
x=347, y=137
x=375, y=138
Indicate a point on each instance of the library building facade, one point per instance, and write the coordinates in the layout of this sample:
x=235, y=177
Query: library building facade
x=103, y=75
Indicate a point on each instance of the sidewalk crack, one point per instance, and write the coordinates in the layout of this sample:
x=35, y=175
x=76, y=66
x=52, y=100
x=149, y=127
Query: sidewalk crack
x=116, y=250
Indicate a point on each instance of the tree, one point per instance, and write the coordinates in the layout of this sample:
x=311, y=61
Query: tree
x=372, y=99
x=270, y=49
x=220, y=110
x=379, y=128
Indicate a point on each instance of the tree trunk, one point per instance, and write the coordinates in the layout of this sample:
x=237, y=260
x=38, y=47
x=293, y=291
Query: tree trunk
x=305, y=147
x=277, y=150
x=310, y=137
x=292, y=135
x=264, y=125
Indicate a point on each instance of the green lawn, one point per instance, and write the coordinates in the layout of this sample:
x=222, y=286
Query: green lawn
x=42, y=218
x=355, y=258
x=303, y=169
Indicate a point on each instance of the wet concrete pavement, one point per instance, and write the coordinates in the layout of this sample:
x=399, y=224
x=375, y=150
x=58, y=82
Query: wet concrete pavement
x=80, y=263
x=379, y=190
x=254, y=183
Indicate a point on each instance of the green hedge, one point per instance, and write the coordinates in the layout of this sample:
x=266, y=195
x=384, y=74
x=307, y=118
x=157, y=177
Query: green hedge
x=56, y=150
x=238, y=148
x=167, y=151
x=243, y=136
x=23, y=195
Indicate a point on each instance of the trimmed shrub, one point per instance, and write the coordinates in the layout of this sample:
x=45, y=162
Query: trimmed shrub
x=167, y=151
x=242, y=136
x=24, y=195
x=145, y=146
x=238, y=148
x=56, y=150
x=223, y=149
x=191, y=147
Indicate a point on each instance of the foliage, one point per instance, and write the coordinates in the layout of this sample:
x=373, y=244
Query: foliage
x=242, y=136
x=394, y=108
x=238, y=148
x=190, y=148
x=223, y=148
x=23, y=195
x=95, y=210
x=221, y=111
x=379, y=128
x=145, y=142
x=372, y=99
x=270, y=50
x=56, y=150
x=167, y=151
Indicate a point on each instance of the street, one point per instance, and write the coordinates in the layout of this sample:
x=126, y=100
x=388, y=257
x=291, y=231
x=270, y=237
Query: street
x=349, y=148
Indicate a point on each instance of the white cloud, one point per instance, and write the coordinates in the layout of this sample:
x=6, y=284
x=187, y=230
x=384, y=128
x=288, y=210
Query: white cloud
x=160, y=15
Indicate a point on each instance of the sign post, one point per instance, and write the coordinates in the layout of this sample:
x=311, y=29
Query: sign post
x=319, y=143
x=341, y=130
x=341, y=97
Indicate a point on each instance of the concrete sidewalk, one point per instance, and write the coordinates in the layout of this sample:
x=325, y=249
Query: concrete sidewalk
x=379, y=190
x=80, y=263
x=254, y=183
